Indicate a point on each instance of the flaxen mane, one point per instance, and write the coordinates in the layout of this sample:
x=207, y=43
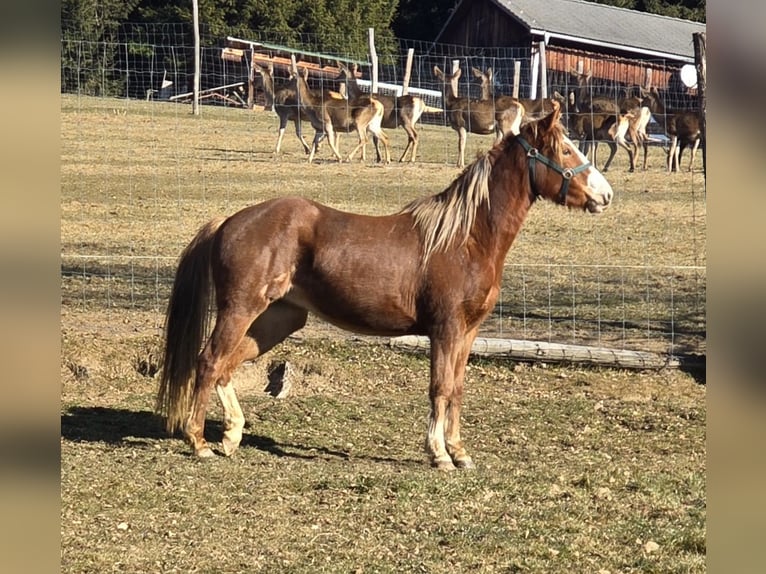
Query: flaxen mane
x=447, y=218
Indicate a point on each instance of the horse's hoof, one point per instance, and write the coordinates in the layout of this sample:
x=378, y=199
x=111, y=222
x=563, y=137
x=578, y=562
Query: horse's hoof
x=229, y=446
x=443, y=465
x=465, y=463
x=205, y=452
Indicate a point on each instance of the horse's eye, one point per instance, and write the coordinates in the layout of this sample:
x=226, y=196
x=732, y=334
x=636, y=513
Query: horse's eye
x=567, y=151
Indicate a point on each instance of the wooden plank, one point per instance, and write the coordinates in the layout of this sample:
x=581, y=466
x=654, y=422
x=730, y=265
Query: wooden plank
x=208, y=91
x=314, y=69
x=539, y=351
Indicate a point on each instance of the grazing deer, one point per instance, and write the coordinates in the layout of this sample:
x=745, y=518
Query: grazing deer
x=500, y=116
x=284, y=101
x=533, y=108
x=398, y=111
x=681, y=126
x=361, y=114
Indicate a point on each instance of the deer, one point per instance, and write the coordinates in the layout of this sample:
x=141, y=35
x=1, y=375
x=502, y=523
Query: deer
x=591, y=128
x=335, y=115
x=398, y=111
x=634, y=107
x=681, y=126
x=500, y=116
x=533, y=108
x=284, y=101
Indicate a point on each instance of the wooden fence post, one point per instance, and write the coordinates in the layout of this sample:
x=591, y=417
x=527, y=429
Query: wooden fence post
x=196, y=84
x=700, y=62
x=251, y=80
x=543, y=72
x=407, y=72
x=373, y=61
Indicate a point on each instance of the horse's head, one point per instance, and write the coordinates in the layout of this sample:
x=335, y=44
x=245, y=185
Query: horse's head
x=558, y=170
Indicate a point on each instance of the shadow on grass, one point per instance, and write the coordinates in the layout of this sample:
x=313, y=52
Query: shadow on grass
x=123, y=426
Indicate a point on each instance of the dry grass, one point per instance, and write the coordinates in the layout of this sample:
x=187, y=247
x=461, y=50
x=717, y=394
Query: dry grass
x=580, y=470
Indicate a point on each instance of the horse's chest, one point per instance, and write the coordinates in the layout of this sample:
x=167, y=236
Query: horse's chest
x=479, y=303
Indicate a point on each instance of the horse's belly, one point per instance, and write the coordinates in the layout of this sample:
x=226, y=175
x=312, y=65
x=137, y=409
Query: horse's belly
x=360, y=312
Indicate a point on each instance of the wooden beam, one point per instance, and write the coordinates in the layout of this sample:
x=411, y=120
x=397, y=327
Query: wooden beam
x=539, y=351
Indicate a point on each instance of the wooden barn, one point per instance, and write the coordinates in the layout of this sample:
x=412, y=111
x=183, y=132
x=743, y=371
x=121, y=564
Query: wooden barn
x=620, y=48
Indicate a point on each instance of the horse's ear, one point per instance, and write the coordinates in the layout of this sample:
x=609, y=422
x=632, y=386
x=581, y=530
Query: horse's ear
x=477, y=72
x=438, y=72
x=548, y=122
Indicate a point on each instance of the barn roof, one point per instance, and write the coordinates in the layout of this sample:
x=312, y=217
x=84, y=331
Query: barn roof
x=607, y=26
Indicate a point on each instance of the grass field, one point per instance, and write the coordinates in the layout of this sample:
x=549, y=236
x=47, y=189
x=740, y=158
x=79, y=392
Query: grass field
x=579, y=470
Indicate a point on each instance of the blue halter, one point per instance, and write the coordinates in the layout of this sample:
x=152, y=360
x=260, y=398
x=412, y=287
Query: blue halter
x=567, y=173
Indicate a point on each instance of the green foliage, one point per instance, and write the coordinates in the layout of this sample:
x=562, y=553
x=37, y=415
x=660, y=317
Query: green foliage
x=97, y=20
x=332, y=26
x=417, y=20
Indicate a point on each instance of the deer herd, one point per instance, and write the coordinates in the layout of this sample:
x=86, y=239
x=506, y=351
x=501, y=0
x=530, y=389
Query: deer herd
x=590, y=119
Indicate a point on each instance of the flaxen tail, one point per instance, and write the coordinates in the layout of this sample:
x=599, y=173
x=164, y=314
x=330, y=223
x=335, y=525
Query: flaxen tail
x=186, y=324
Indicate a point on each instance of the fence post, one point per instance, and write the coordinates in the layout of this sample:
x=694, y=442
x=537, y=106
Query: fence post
x=407, y=72
x=373, y=61
x=701, y=64
x=195, y=87
x=543, y=72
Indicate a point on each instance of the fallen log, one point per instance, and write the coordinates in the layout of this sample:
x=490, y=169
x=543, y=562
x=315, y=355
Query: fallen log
x=540, y=351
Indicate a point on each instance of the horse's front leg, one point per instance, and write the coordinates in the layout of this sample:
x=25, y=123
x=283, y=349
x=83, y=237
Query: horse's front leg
x=455, y=447
x=440, y=393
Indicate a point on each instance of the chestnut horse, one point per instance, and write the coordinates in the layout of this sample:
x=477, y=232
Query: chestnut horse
x=434, y=268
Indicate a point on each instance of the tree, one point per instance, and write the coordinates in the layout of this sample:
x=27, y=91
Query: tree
x=88, y=66
x=418, y=20
x=332, y=26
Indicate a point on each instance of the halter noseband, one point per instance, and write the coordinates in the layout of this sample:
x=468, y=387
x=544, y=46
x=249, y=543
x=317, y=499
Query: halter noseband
x=567, y=173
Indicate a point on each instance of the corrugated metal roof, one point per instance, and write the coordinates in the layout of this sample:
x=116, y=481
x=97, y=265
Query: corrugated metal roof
x=600, y=24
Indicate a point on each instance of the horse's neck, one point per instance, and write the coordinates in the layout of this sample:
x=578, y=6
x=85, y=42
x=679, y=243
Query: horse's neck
x=510, y=200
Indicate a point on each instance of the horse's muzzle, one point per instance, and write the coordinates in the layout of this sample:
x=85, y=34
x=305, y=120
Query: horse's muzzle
x=592, y=206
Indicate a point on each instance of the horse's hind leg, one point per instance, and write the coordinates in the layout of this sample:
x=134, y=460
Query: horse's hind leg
x=271, y=327
x=214, y=367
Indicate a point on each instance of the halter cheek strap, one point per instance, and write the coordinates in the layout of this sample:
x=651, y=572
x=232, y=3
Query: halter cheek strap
x=567, y=173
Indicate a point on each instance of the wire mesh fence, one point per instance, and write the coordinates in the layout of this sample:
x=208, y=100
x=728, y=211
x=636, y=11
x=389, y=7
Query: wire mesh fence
x=644, y=288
